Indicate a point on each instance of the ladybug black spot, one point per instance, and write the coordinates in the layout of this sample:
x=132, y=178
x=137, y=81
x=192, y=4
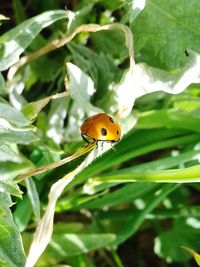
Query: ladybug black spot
x=111, y=119
x=103, y=131
x=117, y=132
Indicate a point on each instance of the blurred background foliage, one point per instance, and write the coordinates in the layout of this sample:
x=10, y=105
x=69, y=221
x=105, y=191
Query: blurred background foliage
x=112, y=222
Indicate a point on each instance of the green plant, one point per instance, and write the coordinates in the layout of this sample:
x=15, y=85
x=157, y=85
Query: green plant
x=63, y=65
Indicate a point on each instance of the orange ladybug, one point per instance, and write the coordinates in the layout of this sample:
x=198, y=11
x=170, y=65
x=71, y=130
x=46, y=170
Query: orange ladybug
x=100, y=127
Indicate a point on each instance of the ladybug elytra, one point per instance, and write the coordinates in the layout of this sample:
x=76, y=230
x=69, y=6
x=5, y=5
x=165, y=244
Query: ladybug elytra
x=101, y=127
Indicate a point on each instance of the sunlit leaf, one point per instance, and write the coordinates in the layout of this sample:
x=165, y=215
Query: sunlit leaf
x=18, y=137
x=10, y=187
x=12, y=115
x=74, y=244
x=8, y=154
x=164, y=30
x=14, y=42
x=33, y=196
x=56, y=118
x=169, y=118
x=81, y=88
x=134, y=8
x=31, y=110
x=41, y=238
x=11, y=169
x=144, y=79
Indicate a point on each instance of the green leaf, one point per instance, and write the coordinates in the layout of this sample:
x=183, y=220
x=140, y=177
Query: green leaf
x=10, y=187
x=65, y=244
x=144, y=79
x=19, y=11
x=56, y=119
x=133, y=224
x=110, y=43
x=193, y=253
x=96, y=65
x=46, y=69
x=169, y=118
x=123, y=195
x=186, y=175
x=75, y=244
x=14, y=42
x=32, y=109
x=134, y=8
x=22, y=213
x=128, y=192
x=8, y=154
x=18, y=137
x=33, y=196
x=129, y=149
x=165, y=29
x=78, y=17
x=12, y=115
x=11, y=249
x=2, y=18
x=2, y=84
x=183, y=233
x=9, y=170
x=81, y=88
x=187, y=102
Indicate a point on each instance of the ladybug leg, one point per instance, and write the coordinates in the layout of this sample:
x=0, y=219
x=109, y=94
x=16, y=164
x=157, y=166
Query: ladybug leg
x=102, y=145
x=97, y=142
x=113, y=147
x=94, y=141
x=85, y=139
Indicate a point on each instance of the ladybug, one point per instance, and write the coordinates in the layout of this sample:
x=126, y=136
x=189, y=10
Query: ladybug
x=100, y=127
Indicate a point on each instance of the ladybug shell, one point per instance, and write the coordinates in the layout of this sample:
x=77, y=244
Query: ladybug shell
x=101, y=127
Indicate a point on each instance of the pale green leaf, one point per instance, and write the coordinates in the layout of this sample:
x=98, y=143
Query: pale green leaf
x=66, y=245
x=169, y=118
x=12, y=115
x=10, y=187
x=14, y=42
x=145, y=79
x=2, y=84
x=81, y=88
x=31, y=110
x=8, y=154
x=33, y=196
x=56, y=119
x=12, y=169
x=18, y=137
x=2, y=17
